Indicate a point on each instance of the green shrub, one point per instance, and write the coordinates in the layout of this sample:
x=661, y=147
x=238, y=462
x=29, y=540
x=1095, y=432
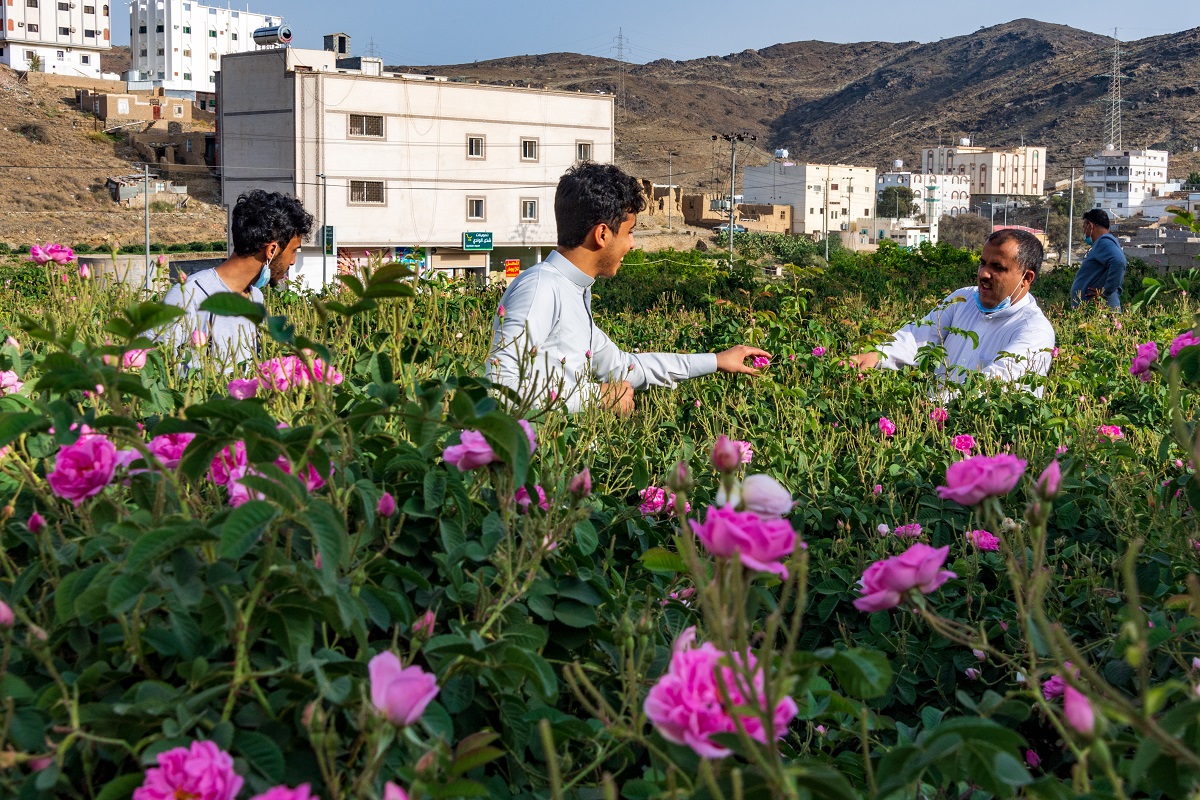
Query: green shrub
x=25, y=280
x=162, y=206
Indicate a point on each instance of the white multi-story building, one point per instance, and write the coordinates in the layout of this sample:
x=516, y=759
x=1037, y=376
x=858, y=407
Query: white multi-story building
x=178, y=44
x=64, y=38
x=934, y=194
x=1123, y=180
x=995, y=174
x=460, y=175
x=825, y=198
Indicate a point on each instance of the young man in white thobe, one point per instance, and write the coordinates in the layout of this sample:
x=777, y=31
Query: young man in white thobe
x=1015, y=338
x=546, y=345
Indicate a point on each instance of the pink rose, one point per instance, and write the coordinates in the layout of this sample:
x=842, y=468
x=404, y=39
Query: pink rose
x=83, y=469
x=10, y=382
x=393, y=792
x=36, y=523
x=60, y=254
x=909, y=531
x=725, y=454
x=972, y=479
x=7, y=618
x=1032, y=759
x=199, y=338
x=973, y=673
x=472, y=452
x=687, y=705
x=653, y=500
x=581, y=484
x=885, y=582
x=887, y=427
x=301, y=792
x=134, y=359
x=964, y=443
x=938, y=415
x=1053, y=687
x=424, y=625
x=984, y=540
x=760, y=362
x=760, y=544
x=1048, y=481
x=401, y=693
x=1147, y=354
x=1185, y=339
x=1113, y=432
x=1078, y=711
x=228, y=465
x=387, y=505
x=763, y=495
x=243, y=388
x=877, y=489
x=169, y=448
x=524, y=501
x=200, y=772
x=525, y=426
x=38, y=255
x=85, y=271
x=818, y=351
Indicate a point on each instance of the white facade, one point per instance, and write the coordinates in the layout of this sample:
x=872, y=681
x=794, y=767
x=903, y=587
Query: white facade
x=1012, y=172
x=409, y=161
x=934, y=194
x=825, y=198
x=178, y=44
x=1123, y=180
x=67, y=38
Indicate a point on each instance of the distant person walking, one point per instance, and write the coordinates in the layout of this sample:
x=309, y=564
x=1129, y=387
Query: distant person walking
x=267, y=230
x=1103, y=269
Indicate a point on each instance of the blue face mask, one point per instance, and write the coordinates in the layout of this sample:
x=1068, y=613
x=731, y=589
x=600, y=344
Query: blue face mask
x=1087, y=240
x=263, y=276
x=1003, y=304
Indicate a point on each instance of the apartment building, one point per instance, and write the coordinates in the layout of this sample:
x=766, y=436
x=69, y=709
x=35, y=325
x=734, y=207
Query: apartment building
x=460, y=175
x=1123, y=180
x=825, y=198
x=996, y=175
x=934, y=194
x=177, y=44
x=63, y=37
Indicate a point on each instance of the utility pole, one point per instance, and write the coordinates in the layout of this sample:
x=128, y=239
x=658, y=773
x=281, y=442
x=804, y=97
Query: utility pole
x=1071, y=217
x=733, y=139
x=146, y=186
x=825, y=216
x=670, y=185
x=324, y=228
x=850, y=209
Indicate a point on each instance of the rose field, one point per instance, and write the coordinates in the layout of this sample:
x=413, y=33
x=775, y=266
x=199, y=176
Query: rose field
x=348, y=571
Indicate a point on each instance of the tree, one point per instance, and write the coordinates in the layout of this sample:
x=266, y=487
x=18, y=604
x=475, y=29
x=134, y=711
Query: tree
x=967, y=231
x=896, y=201
x=1193, y=179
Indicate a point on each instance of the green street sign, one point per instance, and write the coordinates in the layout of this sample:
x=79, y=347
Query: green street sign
x=477, y=240
x=329, y=241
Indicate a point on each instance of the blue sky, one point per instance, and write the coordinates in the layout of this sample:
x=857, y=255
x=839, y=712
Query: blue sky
x=459, y=31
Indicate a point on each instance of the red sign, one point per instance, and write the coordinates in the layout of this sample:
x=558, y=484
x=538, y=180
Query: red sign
x=512, y=267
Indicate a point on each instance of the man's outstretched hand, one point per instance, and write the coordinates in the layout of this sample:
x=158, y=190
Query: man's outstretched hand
x=734, y=359
x=617, y=397
x=865, y=361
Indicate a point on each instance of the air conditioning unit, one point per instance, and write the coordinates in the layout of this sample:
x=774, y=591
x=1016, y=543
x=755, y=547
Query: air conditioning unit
x=845, y=226
x=72, y=30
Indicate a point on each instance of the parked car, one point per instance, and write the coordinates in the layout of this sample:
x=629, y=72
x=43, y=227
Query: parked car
x=724, y=228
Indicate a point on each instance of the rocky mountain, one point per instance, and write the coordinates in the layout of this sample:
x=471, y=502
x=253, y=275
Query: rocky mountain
x=872, y=102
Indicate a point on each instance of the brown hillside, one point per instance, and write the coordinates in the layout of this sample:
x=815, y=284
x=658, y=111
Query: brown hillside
x=53, y=166
x=873, y=102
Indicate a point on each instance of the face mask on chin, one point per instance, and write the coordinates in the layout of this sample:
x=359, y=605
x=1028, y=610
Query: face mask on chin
x=263, y=277
x=1003, y=304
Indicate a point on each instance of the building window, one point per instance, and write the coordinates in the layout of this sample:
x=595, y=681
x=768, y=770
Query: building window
x=529, y=209
x=64, y=6
x=106, y=11
x=187, y=145
x=212, y=78
x=475, y=208
x=583, y=151
x=187, y=52
x=89, y=9
x=187, y=76
x=366, y=125
x=161, y=51
x=187, y=28
x=142, y=52
x=31, y=3
x=234, y=36
x=177, y=111
x=366, y=192
x=60, y=55
x=32, y=27
x=85, y=59
x=29, y=55
x=141, y=28
x=474, y=147
x=212, y=34
x=89, y=34
x=833, y=187
x=64, y=31
x=158, y=28
x=529, y=149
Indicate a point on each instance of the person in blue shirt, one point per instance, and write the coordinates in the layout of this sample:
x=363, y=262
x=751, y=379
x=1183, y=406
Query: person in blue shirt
x=1103, y=269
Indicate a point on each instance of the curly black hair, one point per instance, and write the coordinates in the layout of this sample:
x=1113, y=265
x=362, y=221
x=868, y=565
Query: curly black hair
x=590, y=194
x=260, y=218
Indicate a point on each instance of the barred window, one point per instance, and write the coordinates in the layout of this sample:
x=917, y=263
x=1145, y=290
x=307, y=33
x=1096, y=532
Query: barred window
x=366, y=192
x=366, y=125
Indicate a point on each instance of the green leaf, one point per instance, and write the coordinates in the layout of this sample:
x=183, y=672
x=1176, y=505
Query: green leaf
x=230, y=304
x=329, y=531
x=586, y=538
x=260, y=752
x=862, y=673
x=574, y=614
x=244, y=526
x=12, y=425
x=121, y=787
x=156, y=545
x=474, y=758
x=658, y=559
x=508, y=439
x=538, y=669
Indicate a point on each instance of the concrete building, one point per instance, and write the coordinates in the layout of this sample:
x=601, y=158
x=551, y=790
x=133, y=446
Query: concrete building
x=1123, y=180
x=178, y=44
x=461, y=174
x=935, y=195
x=135, y=107
x=996, y=175
x=825, y=198
x=64, y=38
